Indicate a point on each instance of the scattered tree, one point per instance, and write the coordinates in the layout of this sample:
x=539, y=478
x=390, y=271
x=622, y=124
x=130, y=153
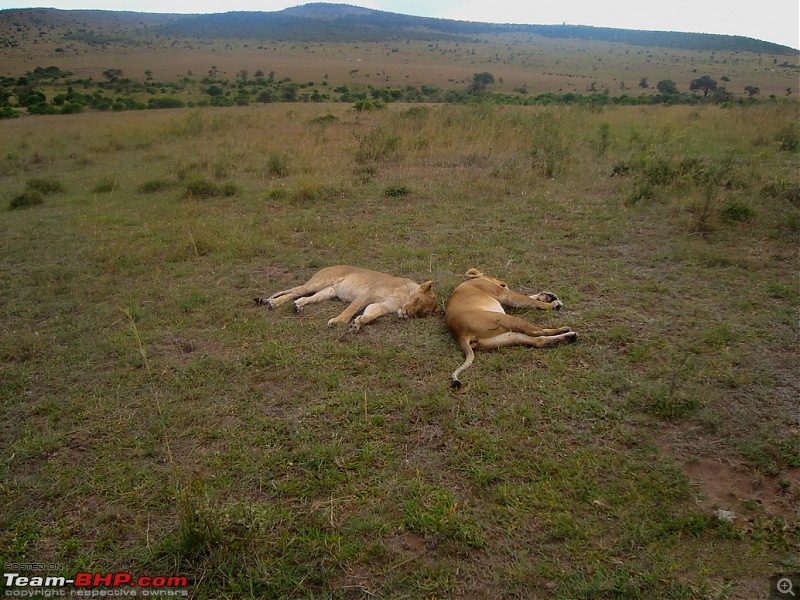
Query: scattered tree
x=751, y=90
x=480, y=81
x=112, y=74
x=667, y=87
x=704, y=83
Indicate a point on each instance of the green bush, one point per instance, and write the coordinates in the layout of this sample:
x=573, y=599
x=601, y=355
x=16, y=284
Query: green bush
x=199, y=187
x=26, y=199
x=738, y=212
x=396, y=191
x=6, y=112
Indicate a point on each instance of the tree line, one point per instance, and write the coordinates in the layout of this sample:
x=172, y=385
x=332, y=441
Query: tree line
x=116, y=92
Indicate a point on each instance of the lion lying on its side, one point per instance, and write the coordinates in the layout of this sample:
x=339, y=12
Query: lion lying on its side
x=374, y=293
x=477, y=321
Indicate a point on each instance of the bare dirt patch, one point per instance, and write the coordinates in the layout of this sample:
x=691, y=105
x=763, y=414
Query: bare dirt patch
x=726, y=483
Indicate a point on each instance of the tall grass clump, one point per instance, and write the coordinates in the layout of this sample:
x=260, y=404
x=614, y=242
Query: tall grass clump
x=788, y=137
x=45, y=186
x=35, y=191
x=26, y=199
x=279, y=164
x=550, y=149
x=375, y=146
x=197, y=186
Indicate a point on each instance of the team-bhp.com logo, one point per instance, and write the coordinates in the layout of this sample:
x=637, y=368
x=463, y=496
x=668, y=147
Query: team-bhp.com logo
x=93, y=585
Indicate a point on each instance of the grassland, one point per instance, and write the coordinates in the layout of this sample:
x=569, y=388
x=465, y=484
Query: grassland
x=155, y=420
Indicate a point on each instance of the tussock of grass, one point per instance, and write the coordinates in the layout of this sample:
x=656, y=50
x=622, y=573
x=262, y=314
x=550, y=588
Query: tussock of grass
x=45, y=186
x=198, y=187
x=26, y=199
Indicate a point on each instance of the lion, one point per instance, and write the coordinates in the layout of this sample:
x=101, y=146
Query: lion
x=371, y=293
x=477, y=321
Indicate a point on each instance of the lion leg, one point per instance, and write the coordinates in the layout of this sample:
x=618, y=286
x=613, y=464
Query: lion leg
x=328, y=293
x=514, y=338
x=372, y=312
x=355, y=307
x=279, y=298
x=516, y=324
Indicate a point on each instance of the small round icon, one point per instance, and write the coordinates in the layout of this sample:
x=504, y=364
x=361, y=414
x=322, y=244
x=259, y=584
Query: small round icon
x=785, y=586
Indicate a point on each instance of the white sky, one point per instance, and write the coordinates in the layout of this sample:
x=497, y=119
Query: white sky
x=771, y=20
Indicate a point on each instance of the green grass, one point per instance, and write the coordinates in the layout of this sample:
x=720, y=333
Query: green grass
x=156, y=421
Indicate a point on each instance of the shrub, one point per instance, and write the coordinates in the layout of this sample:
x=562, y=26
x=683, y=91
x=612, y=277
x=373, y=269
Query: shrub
x=738, y=212
x=641, y=191
x=26, y=199
x=6, y=112
x=71, y=108
x=199, y=187
x=396, y=191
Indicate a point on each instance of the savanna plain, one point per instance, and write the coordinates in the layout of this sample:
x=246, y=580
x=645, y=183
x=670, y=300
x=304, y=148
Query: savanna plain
x=156, y=421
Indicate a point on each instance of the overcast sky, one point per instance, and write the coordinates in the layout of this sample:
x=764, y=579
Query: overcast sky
x=771, y=20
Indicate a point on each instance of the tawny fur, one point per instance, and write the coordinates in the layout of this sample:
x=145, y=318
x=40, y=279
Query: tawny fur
x=370, y=293
x=477, y=321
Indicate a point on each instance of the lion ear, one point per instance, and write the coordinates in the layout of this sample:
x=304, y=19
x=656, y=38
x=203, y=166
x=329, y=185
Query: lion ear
x=473, y=274
x=426, y=286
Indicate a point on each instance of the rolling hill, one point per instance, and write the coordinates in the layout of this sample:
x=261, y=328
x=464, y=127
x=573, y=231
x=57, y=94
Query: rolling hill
x=341, y=22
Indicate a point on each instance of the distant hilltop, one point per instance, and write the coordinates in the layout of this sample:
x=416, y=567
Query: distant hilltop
x=343, y=22
x=327, y=22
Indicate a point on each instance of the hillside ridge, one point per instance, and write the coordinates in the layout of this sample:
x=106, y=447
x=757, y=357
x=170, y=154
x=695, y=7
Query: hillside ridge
x=334, y=22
